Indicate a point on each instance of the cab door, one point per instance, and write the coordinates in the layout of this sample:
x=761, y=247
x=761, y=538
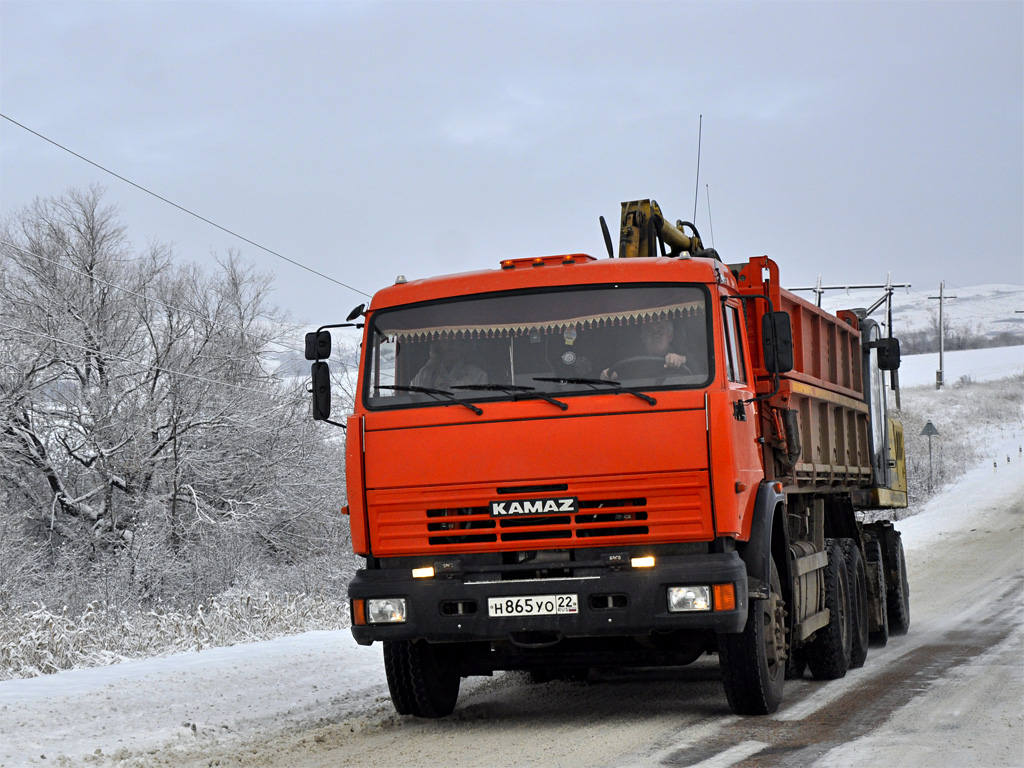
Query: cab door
x=736, y=455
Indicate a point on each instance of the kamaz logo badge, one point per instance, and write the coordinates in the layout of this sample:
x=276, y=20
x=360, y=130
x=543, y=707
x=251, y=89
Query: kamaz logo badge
x=534, y=507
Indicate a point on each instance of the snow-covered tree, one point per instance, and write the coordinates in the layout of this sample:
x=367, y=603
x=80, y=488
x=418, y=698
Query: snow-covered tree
x=142, y=429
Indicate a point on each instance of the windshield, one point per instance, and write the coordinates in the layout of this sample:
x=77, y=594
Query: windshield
x=539, y=344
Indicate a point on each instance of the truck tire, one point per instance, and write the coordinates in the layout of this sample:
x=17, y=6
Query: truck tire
x=856, y=574
x=754, y=661
x=873, y=552
x=423, y=678
x=898, y=593
x=828, y=653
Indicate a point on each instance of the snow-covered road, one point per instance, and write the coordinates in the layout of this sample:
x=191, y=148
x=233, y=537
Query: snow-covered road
x=950, y=693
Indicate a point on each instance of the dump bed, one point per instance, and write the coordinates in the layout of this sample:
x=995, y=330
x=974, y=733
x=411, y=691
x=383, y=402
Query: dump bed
x=825, y=390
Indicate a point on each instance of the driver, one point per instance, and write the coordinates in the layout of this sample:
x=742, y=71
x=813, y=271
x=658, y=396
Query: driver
x=446, y=368
x=656, y=337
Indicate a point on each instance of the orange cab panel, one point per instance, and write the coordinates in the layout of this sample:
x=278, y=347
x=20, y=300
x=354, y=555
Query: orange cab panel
x=430, y=489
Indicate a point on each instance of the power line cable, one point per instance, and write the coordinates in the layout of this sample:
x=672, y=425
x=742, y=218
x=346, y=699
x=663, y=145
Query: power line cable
x=182, y=208
x=145, y=366
x=199, y=315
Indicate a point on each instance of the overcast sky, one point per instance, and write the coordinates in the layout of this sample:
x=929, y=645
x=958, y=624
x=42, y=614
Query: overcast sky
x=371, y=139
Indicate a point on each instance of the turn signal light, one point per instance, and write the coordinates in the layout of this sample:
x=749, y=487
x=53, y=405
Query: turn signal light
x=724, y=597
x=423, y=573
x=642, y=562
x=359, y=612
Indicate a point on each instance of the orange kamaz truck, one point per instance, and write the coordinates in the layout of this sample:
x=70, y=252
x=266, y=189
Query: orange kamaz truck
x=567, y=463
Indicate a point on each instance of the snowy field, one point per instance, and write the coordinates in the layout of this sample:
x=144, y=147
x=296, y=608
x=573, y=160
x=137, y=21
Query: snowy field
x=974, y=364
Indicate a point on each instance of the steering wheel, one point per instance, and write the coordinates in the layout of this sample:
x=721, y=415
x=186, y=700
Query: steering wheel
x=644, y=367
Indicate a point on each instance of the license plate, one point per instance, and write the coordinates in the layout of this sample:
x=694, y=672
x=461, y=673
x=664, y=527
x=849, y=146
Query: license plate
x=532, y=605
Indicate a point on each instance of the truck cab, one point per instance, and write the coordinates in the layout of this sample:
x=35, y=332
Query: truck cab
x=568, y=462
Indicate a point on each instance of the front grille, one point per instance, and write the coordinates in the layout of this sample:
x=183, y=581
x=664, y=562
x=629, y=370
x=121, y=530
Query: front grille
x=612, y=511
x=609, y=517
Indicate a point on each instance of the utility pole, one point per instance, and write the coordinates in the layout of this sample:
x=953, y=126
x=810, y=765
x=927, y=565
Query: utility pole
x=939, y=374
x=818, y=289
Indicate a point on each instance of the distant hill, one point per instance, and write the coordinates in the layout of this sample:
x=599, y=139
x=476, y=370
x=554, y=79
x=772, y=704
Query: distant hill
x=978, y=316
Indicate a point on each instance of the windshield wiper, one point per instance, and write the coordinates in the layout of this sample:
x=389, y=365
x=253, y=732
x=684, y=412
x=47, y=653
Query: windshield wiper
x=516, y=391
x=599, y=382
x=439, y=392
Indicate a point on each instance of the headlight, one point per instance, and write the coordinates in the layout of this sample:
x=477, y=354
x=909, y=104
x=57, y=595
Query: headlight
x=390, y=610
x=682, y=599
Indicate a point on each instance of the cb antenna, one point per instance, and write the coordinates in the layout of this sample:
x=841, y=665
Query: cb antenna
x=696, y=191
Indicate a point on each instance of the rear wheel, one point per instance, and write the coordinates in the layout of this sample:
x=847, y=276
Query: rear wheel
x=828, y=654
x=873, y=550
x=856, y=574
x=754, y=660
x=423, y=678
x=898, y=592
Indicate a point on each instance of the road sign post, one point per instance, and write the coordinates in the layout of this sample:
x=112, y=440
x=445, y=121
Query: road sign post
x=929, y=430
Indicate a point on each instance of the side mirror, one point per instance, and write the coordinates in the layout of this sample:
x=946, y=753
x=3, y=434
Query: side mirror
x=888, y=354
x=777, y=341
x=321, y=391
x=318, y=345
x=355, y=313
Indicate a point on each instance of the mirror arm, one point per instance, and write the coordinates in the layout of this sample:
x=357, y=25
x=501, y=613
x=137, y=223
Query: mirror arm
x=340, y=325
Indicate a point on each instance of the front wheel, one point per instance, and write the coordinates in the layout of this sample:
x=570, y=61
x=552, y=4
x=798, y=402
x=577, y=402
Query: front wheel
x=423, y=678
x=754, y=660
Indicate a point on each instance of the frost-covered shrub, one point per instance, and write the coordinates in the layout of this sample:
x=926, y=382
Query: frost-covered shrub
x=41, y=641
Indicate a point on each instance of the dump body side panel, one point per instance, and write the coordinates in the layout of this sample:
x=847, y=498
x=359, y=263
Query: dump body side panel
x=825, y=388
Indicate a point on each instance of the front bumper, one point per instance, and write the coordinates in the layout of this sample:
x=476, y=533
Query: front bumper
x=613, y=601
